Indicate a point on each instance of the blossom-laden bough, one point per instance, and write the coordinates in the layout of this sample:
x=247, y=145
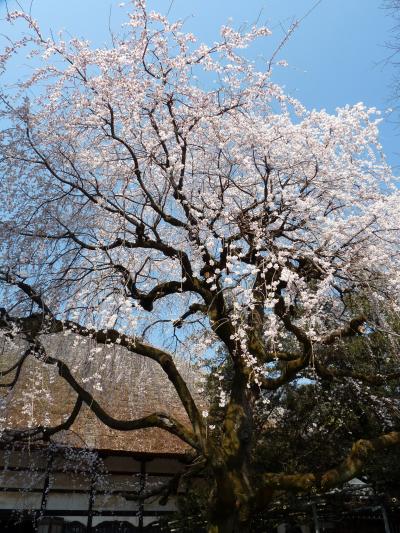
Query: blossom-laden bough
x=148, y=207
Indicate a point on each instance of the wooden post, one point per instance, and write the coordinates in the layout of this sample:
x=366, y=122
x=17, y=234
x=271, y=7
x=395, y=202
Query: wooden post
x=142, y=486
x=316, y=520
x=385, y=519
x=46, y=488
x=92, y=495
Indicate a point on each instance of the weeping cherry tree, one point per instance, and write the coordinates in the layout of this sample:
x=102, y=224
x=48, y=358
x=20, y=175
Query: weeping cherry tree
x=168, y=197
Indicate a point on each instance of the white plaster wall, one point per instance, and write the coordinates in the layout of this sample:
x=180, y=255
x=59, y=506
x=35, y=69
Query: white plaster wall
x=68, y=502
x=70, y=480
x=122, y=482
x=23, y=479
x=20, y=500
x=79, y=481
x=113, y=503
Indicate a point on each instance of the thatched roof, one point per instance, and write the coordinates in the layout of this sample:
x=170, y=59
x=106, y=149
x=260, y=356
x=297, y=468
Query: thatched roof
x=127, y=385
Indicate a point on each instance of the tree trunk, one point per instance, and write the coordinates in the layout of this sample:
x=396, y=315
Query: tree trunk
x=229, y=504
x=232, y=500
x=229, y=525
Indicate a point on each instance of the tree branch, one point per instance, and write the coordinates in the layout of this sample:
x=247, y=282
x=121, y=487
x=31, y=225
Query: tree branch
x=330, y=373
x=41, y=432
x=193, y=309
x=18, y=367
x=360, y=453
x=27, y=289
x=158, y=419
x=42, y=324
x=352, y=329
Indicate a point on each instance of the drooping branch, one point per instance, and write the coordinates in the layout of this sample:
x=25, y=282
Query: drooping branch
x=94, y=198
x=281, y=311
x=41, y=432
x=170, y=219
x=292, y=365
x=143, y=242
x=45, y=323
x=163, y=289
x=352, y=465
x=17, y=367
x=35, y=325
x=158, y=419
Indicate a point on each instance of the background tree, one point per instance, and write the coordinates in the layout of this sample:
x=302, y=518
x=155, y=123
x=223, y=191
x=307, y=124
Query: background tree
x=177, y=218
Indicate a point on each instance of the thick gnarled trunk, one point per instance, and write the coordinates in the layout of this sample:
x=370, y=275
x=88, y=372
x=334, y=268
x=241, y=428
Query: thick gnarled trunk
x=231, y=500
x=230, y=505
x=231, y=524
x=234, y=502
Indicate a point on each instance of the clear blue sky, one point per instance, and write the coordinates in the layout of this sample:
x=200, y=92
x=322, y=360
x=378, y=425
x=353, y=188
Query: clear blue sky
x=336, y=56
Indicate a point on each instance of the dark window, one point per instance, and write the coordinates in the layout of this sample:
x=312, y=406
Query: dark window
x=11, y=524
x=74, y=527
x=50, y=525
x=115, y=527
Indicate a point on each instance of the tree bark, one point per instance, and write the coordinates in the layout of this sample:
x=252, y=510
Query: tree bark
x=229, y=525
x=228, y=517
x=230, y=503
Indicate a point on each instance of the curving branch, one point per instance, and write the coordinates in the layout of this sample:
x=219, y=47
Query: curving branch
x=281, y=311
x=360, y=453
x=163, y=289
x=292, y=364
x=45, y=323
x=193, y=309
x=41, y=432
x=355, y=327
x=27, y=289
x=143, y=242
x=17, y=367
x=331, y=373
x=36, y=324
x=158, y=419
x=291, y=368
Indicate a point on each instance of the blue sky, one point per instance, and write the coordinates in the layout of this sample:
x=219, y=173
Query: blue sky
x=336, y=56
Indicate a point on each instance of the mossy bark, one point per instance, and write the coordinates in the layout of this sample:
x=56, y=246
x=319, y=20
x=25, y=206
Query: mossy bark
x=231, y=501
x=230, y=504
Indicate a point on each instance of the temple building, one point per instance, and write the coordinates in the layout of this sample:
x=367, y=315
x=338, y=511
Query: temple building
x=89, y=477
